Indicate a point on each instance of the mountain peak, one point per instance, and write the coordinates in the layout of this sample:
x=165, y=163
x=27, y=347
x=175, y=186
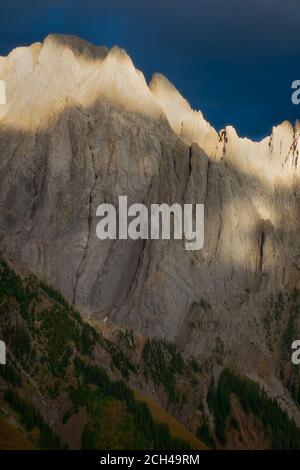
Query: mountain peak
x=186, y=122
x=66, y=67
x=164, y=90
x=77, y=45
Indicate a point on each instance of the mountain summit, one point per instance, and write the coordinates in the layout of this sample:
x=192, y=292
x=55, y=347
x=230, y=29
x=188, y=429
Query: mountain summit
x=81, y=127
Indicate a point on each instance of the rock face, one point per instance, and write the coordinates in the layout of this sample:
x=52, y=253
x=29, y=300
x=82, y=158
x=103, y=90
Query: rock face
x=81, y=127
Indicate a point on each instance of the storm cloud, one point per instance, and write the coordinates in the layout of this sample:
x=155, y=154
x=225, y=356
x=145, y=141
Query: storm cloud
x=234, y=60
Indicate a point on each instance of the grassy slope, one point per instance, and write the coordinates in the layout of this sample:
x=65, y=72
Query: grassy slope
x=11, y=438
x=176, y=428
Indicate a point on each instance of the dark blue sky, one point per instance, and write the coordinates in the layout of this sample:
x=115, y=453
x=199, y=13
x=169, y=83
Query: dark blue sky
x=232, y=59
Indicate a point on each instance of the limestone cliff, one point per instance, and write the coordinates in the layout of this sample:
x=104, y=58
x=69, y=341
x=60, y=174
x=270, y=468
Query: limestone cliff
x=81, y=127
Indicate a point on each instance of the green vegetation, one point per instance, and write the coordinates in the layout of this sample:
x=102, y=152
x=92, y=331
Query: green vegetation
x=58, y=326
x=163, y=364
x=10, y=375
x=61, y=331
x=19, y=340
x=282, y=328
x=289, y=371
x=203, y=433
x=12, y=286
x=234, y=423
x=49, y=340
x=195, y=366
x=53, y=294
x=119, y=360
x=155, y=436
x=129, y=338
x=31, y=418
x=273, y=319
x=282, y=431
x=280, y=322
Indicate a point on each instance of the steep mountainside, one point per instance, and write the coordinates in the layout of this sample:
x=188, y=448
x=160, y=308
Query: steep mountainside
x=67, y=384
x=81, y=127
